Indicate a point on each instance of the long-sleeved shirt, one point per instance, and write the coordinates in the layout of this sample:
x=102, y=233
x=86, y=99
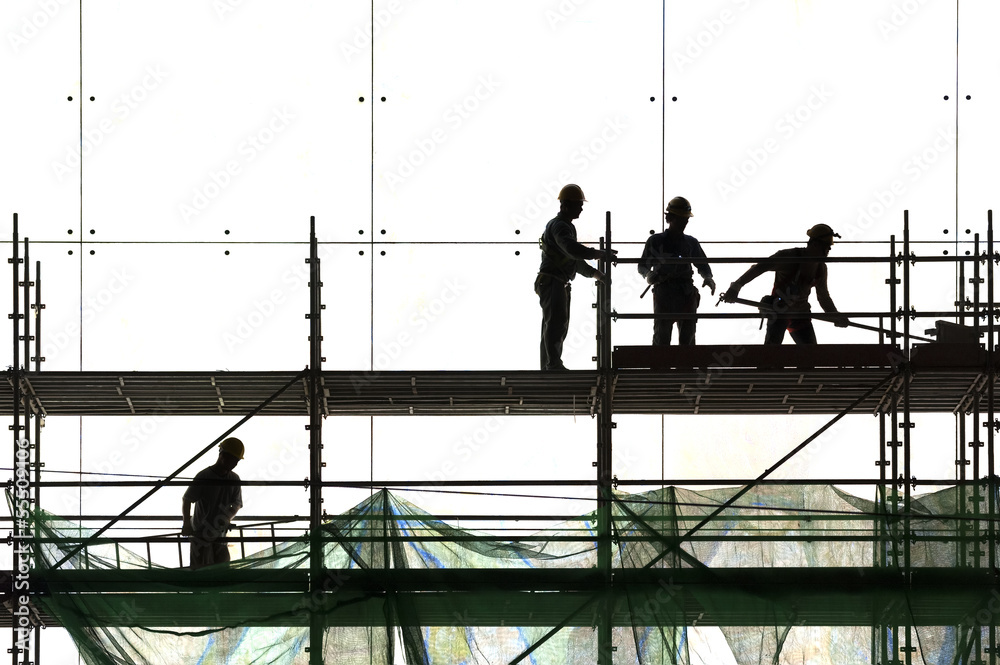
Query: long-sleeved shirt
x=793, y=282
x=671, y=245
x=565, y=256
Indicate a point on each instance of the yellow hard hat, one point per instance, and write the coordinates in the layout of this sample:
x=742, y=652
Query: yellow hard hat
x=571, y=193
x=822, y=233
x=233, y=446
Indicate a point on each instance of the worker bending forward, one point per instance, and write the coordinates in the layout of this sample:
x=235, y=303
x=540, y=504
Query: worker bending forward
x=793, y=282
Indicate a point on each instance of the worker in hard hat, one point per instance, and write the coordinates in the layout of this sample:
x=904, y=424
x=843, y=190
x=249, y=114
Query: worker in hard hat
x=674, y=291
x=793, y=282
x=216, y=496
x=562, y=258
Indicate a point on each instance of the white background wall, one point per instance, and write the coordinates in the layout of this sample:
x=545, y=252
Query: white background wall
x=430, y=153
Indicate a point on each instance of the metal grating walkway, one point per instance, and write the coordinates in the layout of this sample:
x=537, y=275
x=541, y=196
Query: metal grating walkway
x=694, y=380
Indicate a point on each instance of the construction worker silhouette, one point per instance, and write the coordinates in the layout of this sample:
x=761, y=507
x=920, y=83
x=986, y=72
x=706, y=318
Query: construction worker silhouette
x=793, y=283
x=217, y=498
x=562, y=258
x=674, y=291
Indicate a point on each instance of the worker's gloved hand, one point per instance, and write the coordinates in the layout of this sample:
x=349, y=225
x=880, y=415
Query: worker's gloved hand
x=187, y=529
x=710, y=283
x=651, y=277
x=841, y=321
x=732, y=293
x=599, y=276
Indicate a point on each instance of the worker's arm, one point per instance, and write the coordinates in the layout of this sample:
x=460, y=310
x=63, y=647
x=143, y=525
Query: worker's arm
x=587, y=270
x=825, y=301
x=751, y=274
x=703, y=268
x=562, y=235
x=234, y=506
x=644, y=266
x=186, y=529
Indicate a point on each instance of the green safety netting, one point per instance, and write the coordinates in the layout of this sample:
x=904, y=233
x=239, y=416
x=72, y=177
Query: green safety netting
x=771, y=526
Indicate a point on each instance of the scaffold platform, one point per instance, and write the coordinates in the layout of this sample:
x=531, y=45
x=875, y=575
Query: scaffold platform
x=825, y=379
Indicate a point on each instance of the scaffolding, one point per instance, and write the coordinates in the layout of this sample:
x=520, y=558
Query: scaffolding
x=930, y=562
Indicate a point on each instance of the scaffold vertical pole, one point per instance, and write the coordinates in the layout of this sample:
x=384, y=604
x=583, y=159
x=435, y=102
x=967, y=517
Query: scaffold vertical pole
x=977, y=443
x=961, y=459
x=17, y=607
x=26, y=302
x=991, y=528
x=907, y=426
x=28, y=438
x=316, y=567
x=893, y=494
x=891, y=498
x=37, y=359
x=605, y=424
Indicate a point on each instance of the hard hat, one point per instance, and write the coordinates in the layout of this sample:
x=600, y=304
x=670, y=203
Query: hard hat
x=822, y=233
x=233, y=446
x=679, y=206
x=571, y=193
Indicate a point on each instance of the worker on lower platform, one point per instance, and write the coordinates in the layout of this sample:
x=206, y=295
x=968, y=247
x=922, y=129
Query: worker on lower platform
x=793, y=283
x=562, y=258
x=217, y=498
x=674, y=291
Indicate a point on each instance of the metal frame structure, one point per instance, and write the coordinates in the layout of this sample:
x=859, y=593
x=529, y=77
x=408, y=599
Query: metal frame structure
x=892, y=381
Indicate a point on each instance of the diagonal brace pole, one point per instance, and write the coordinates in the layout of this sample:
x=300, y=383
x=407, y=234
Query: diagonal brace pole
x=663, y=540
x=545, y=638
x=733, y=499
x=173, y=475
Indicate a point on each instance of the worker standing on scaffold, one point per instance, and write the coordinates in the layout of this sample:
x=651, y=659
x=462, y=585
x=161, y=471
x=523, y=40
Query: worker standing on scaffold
x=562, y=258
x=793, y=282
x=216, y=496
x=673, y=287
